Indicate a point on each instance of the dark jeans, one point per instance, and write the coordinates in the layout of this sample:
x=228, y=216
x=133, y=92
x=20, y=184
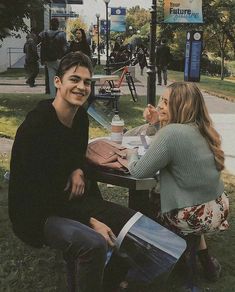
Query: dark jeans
x=32, y=69
x=84, y=249
x=162, y=70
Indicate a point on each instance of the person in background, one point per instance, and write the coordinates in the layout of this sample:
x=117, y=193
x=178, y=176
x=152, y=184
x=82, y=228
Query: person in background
x=53, y=47
x=31, y=59
x=163, y=57
x=93, y=47
x=102, y=46
x=141, y=57
x=51, y=201
x=187, y=153
x=80, y=43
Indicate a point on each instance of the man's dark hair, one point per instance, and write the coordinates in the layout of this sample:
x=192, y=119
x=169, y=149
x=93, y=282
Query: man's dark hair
x=163, y=41
x=54, y=23
x=74, y=59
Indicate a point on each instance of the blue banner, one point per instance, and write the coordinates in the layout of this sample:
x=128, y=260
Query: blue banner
x=193, y=52
x=118, y=19
x=103, y=28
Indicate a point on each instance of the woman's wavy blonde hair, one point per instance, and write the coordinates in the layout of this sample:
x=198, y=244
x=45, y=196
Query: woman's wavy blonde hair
x=187, y=105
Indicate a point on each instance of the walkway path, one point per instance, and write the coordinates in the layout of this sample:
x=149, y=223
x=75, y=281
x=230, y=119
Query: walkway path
x=221, y=111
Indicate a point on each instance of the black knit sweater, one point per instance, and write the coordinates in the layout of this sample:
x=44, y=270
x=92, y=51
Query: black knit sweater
x=44, y=154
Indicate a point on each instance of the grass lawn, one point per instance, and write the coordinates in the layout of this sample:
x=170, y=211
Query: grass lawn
x=214, y=85
x=24, y=269
x=18, y=72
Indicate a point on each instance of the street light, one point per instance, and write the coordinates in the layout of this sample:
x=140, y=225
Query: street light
x=130, y=30
x=98, y=40
x=107, y=38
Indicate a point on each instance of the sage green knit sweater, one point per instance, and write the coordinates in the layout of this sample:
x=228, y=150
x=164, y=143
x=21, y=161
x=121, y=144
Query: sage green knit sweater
x=188, y=175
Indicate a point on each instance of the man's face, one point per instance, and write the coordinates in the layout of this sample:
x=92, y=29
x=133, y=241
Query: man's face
x=75, y=85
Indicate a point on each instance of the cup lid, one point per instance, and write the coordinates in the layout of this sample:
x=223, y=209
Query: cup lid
x=118, y=123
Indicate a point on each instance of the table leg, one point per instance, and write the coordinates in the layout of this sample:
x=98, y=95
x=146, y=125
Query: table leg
x=139, y=201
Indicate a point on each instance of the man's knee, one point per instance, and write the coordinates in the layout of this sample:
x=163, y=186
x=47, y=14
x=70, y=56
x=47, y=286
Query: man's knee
x=92, y=248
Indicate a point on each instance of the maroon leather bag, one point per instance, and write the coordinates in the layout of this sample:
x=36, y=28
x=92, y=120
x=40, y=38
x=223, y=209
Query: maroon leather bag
x=107, y=155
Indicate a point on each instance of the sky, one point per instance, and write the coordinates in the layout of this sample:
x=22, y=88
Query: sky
x=90, y=7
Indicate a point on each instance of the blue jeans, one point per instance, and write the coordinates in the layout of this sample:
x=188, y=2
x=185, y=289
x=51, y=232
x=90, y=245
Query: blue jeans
x=84, y=251
x=52, y=67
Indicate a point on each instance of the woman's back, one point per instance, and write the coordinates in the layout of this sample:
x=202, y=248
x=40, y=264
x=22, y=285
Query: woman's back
x=188, y=174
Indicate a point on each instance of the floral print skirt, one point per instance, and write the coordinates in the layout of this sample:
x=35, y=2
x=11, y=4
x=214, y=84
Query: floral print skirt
x=200, y=219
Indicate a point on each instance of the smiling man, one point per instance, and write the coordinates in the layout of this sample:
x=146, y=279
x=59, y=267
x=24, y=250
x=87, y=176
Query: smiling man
x=50, y=201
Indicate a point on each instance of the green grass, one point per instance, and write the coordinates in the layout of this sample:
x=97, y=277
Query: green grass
x=13, y=109
x=24, y=269
x=214, y=85
x=18, y=72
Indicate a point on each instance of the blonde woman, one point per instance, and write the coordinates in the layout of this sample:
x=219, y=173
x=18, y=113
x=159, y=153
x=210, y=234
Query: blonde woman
x=187, y=152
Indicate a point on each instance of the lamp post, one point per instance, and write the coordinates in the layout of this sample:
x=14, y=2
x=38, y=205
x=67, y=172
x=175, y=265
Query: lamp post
x=107, y=38
x=151, y=79
x=98, y=35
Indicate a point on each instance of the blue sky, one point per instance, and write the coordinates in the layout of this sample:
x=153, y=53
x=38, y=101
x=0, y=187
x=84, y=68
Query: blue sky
x=90, y=7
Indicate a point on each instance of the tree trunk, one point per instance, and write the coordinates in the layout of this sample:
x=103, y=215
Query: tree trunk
x=222, y=65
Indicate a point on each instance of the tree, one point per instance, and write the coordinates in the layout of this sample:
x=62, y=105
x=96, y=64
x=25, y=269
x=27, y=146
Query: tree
x=12, y=14
x=220, y=19
x=218, y=27
x=72, y=25
x=137, y=17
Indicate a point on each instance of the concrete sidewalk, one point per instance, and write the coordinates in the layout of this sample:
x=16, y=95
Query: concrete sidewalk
x=222, y=111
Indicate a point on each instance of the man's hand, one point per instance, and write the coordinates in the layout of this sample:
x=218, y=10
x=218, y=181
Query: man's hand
x=150, y=114
x=76, y=184
x=104, y=230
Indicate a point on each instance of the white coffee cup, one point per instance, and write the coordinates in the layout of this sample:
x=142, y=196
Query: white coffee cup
x=117, y=131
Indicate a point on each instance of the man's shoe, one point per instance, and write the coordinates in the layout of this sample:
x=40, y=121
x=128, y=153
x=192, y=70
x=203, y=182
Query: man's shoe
x=159, y=84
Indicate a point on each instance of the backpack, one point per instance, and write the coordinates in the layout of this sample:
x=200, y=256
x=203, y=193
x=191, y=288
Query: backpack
x=51, y=48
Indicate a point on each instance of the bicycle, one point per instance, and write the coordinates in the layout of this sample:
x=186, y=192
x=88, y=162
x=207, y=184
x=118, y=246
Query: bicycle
x=111, y=86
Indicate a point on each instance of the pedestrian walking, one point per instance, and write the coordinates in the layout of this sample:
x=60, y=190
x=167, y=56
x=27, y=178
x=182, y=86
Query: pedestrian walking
x=141, y=57
x=53, y=47
x=163, y=57
x=31, y=59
